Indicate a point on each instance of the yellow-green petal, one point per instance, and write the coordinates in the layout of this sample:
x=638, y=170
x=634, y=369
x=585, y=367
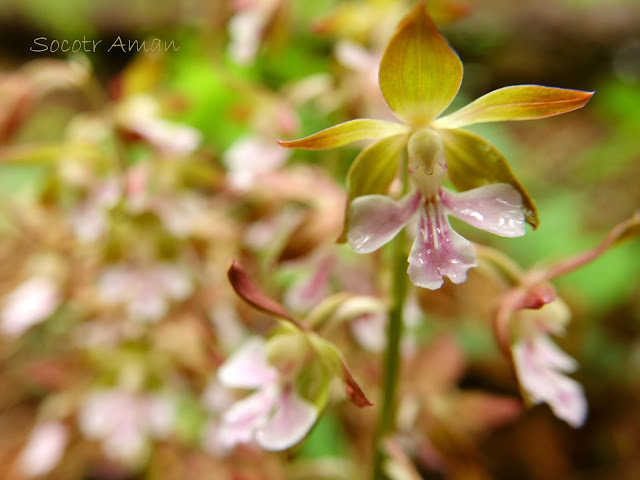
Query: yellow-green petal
x=345, y=133
x=420, y=73
x=374, y=169
x=473, y=162
x=519, y=102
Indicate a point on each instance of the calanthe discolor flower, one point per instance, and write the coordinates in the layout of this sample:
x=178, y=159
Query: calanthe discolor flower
x=541, y=366
x=274, y=416
x=299, y=352
x=438, y=251
x=419, y=76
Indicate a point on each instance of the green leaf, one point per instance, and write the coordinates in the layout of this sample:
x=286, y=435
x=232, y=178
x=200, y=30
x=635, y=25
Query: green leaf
x=420, y=73
x=473, y=162
x=325, y=440
x=520, y=102
x=189, y=419
x=373, y=170
x=345, y=133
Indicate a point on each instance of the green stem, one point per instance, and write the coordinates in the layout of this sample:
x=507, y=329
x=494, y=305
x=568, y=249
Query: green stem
x=387, y=415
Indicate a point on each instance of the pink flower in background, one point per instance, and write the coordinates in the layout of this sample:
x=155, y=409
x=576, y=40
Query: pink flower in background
x=274, y=416
x=89, y=220
x=362, y=83
x=44, y=449
x=182, y=214
x=356, y=57
x=29, y=304
x=147, y=291
x=125, y=422
x=308, y=293
x=141, y=115
x=438, y=250
x=251, y=157
x=370, y=330
x=106, y=333
x=247, y=26
x=137, y=187
x=541, y=365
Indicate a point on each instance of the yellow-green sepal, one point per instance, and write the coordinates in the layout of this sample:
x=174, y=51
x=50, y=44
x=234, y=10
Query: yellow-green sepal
x=420, y=73
x=373, y=170
x=346, y=133
x=519, y=102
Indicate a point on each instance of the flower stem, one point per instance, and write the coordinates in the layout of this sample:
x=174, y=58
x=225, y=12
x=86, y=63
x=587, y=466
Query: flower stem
x=387, y=415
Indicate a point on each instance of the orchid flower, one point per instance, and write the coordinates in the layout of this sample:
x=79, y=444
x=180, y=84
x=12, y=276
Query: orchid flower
x=541, y=365
x=125, y=421
x=438, y=250
x=251, y=157
x=141, y=115
x=182, y=214
x=290, y=373
x=370, y=330
x=419, y=76
x=310, y=291
x=361, y=82
x=145, y=291
x=247, y=28
x=530, y=312
x=275, y=416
